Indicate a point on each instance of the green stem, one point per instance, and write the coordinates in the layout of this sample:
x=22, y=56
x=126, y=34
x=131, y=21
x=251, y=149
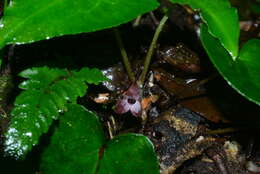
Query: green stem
x=5, y=5
x=137, y=21
x=124, y=56
x=151, y=50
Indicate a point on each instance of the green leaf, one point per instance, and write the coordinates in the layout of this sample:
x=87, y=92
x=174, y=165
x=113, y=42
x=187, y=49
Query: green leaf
x=222, y=21
x=32, y=20
x=75, y=144
x=78, y=146
x=243, y=74
x=46, y=94
x=250, y=56
x=129, y=154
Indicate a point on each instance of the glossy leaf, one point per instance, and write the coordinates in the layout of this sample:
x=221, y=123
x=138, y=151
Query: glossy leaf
x=222, y=21
x=46, y=94
x=78, y=146
x=129, y=154
x=32, y=20
x=74, y=146
x=243, y=74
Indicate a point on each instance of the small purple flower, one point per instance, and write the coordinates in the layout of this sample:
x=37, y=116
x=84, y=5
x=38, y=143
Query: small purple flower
x=130, y=101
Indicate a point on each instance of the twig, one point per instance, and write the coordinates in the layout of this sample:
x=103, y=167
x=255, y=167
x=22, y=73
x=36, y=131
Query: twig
x=222, y=131
x=154, y=18
x=110, y=131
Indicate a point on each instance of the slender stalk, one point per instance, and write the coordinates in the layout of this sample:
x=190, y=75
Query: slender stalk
x=151, y=50
x=137, y=21
x=5, y=5
x=156, y=22
x=110, y=131
x=124, y=56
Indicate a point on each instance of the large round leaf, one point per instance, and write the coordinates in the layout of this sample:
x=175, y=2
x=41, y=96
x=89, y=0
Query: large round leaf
x=222, y=21
x=129, y=154
x=31, y=20
x=78, y=147
x=242, y=74
x=74, y=147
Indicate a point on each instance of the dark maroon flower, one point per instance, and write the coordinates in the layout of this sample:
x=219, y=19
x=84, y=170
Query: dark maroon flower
x=130, y=101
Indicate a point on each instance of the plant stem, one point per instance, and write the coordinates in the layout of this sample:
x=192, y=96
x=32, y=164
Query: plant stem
x=156, y=22
x=5, y=5
x=137, y=21
x=151, y=50
x=124, y=56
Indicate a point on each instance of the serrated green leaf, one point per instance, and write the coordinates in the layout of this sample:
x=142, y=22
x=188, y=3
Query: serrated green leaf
x=46, y=94
x=243, y=74
x=32, y=20
x=74, y=146
x=130, y=153
x=222, y=21
x=78, y=146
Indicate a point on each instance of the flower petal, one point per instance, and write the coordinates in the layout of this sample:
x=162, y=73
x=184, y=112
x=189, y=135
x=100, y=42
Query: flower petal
x=136, y=108
x=134, y=91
